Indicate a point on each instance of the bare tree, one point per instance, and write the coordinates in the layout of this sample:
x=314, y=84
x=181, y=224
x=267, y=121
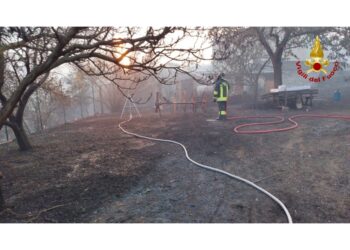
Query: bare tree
x=113, y=98
x=47, y=103
x=277, y=42
x=79, y=92
x=28, y=54
x=247, y=57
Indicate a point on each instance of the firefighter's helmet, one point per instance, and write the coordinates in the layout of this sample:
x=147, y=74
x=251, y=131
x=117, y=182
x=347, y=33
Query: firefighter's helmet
x=221, y=75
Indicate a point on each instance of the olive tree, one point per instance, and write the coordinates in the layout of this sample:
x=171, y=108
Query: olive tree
x=29, y=54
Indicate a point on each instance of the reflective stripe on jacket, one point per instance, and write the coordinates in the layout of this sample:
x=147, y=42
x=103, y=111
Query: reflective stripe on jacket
x=221, y=91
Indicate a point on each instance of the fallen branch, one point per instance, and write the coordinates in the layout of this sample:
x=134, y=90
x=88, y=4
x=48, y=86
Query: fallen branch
x=29, y=216
x=44, y=211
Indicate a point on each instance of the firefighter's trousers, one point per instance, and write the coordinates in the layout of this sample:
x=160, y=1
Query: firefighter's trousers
x=222, y=110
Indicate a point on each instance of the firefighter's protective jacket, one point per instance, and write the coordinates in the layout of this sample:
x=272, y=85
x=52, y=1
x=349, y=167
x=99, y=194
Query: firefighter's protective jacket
x=221, y=90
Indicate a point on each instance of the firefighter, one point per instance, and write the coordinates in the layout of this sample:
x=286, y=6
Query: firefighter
x=221, y=95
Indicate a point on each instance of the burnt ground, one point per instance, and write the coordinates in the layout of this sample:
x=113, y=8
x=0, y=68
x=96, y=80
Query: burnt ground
x=88, y=171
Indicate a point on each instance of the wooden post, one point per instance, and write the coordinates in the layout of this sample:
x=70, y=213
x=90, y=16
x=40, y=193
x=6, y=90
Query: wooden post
x=184, y=100
x=101, y=102
x=311, y=97
x=285, y=98
x=204, y=104
x=157, y=104
x=275, y=100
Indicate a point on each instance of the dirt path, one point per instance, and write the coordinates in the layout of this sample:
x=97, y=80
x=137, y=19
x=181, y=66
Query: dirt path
x=111, y=177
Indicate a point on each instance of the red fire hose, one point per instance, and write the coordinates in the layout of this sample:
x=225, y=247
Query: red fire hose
x=277, y=120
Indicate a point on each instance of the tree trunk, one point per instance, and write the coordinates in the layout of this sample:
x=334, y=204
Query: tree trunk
x=16, y=123
x=275, y=55
x=21, y=136
x=101, y=103
x=93, y=99
x=256, y=82
x=37, y=71
x=277, y=71
x=256, y=94
x=40, y=126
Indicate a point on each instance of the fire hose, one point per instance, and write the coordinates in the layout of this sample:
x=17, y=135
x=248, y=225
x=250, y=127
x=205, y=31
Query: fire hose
x=277, y=120
x=250, y=183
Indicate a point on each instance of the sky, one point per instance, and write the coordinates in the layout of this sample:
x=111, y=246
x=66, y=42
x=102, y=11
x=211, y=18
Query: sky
x=188, y=42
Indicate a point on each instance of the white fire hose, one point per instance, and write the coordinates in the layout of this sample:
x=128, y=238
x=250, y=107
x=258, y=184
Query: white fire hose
x=280, y=203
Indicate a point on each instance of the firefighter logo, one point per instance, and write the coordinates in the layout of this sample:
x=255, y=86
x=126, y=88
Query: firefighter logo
x=316, y=71
x=316, y=62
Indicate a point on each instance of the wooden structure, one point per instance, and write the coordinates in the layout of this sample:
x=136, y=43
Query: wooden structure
x=184, y=102
x=292, y=98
